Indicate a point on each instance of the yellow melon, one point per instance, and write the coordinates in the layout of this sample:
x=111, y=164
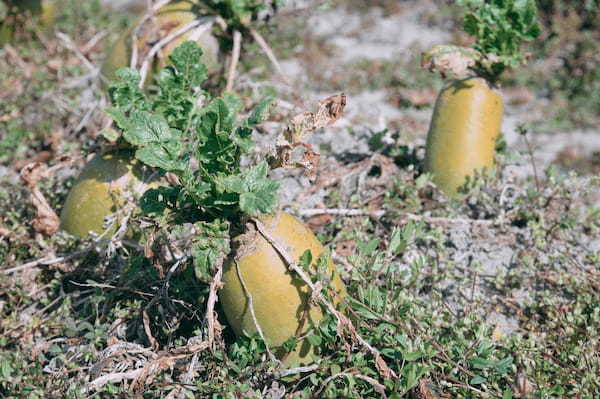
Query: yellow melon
x=280, y=299
x=463, y=132
x=101, y=189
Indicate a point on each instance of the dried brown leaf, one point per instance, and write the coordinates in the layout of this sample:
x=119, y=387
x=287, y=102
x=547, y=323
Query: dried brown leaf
x=448, y=59
x=45, y=221
x=330, y=110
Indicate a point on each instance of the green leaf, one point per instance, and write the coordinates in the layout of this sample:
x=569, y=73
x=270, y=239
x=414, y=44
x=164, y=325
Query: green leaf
x=315, y=340
x=412, y=356
x=209, y=247
x=186, y=60
x=147, y=128
x=125, y=93
x=499, y=28
x=262, y=200
x=480, y=363
x=158, y=156
x=306, y=259
x=368, y=248
x=258, y=194
x=477, y=380
x=260, y=112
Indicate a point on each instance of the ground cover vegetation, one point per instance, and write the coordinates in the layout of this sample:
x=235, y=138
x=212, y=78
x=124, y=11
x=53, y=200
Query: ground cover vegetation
x=494, y=293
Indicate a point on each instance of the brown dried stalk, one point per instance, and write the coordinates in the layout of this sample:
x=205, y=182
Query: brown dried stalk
x=235, y=58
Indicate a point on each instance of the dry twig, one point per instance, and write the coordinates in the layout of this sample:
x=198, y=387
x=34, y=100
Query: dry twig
x=342, y=212
x=267, y=50
x=203, y=25
x=235, y=57
x=376, y=214
x=68, y=43
x=215, y=285
x=150, y=13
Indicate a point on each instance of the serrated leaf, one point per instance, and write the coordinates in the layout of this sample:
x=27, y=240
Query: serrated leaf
x=235, y=184
x=157, y=156
x=147, y=128
x=233, y=102
x=209, y=247
x=186, y=59
x=260, y=112
x=262, y=200
x=119, y=117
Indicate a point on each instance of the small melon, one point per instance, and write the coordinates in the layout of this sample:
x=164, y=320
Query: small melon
x=101, y=189
x=280, y=298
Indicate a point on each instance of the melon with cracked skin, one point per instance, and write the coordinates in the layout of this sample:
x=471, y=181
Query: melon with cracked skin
x=280, y=299
x=168, y=19
x=102, y=188
x=463, y=132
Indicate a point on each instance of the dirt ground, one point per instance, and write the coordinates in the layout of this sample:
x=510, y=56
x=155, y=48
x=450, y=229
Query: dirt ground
x=511, y=247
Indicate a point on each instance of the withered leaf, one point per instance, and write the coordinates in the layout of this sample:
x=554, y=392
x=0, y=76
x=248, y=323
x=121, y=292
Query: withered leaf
x=45, y=221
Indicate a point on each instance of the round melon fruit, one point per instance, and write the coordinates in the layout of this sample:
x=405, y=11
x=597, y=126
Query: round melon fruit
x=463, y=132
x=101, y=189
x=280, y=299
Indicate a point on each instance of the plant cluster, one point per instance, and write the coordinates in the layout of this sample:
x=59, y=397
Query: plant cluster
x=199, y=147
x=499, y=27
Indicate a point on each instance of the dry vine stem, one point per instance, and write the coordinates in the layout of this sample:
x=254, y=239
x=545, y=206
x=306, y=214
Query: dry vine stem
x=235, y=57
x=267, y=50
x=341, y=212
x=134, y=37
x=376, y=214
x=342, y=321
x=215, y=284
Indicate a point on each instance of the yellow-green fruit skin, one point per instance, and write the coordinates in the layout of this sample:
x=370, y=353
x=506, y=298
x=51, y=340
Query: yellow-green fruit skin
x=463, y=132
x=279, y=297
x=176, y=15
x=100, y=190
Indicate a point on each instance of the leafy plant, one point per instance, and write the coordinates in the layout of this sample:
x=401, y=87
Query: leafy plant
x=199, y=147
x=499, y=28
